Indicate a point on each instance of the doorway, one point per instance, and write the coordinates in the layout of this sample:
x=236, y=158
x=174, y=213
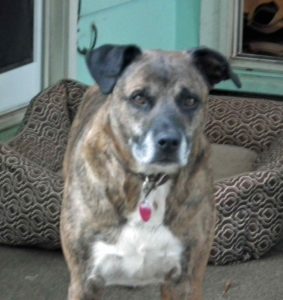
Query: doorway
x=20, y=52
x=43, y=36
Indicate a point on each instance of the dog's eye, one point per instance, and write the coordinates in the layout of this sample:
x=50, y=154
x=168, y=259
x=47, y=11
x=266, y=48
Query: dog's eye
x=189, y=103
x=139, y=99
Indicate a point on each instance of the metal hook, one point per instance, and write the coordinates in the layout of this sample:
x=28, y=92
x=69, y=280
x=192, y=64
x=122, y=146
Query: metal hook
x=93, y=32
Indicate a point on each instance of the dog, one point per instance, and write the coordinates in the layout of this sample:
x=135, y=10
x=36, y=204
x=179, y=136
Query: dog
x=138, y=204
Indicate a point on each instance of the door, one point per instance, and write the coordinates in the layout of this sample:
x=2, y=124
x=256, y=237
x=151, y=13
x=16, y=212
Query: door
x=20, y=52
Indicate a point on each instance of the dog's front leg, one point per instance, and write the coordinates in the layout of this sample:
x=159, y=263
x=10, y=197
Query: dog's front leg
x=183, y=290
x=178, y=291
x=85, y=291
x=190, y=284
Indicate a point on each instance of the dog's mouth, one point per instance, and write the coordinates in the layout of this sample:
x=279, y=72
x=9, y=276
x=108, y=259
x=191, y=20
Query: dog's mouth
x=165, y=160
x=161, y=163
x=155, y=168
x=168, y=164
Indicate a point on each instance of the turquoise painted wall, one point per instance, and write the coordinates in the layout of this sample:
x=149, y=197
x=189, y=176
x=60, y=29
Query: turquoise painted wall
x=151, y=24
x=159, y=24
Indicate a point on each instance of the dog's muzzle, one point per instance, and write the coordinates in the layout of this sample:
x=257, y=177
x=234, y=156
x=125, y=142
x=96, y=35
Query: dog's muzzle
x=162, y=146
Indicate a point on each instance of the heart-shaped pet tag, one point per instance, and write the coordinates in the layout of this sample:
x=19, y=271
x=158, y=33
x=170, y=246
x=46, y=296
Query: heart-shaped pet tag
x=145, y=211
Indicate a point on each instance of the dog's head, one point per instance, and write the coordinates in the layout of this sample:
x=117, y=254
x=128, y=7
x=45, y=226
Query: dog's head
x=158, y=100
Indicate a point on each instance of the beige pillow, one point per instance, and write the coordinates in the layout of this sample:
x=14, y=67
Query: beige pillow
x=228, y=160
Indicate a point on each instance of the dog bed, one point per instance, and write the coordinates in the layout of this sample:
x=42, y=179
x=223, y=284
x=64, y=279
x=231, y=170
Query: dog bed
x=30, y=169
x=249, y=204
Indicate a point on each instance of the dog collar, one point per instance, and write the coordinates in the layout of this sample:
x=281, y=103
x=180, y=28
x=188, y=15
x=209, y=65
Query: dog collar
x=151, y=182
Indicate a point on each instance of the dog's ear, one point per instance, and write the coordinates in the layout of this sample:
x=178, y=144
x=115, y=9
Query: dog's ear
x=213, y=66
x=107, y=63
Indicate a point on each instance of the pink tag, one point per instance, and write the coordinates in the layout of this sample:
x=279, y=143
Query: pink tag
x=145, y=211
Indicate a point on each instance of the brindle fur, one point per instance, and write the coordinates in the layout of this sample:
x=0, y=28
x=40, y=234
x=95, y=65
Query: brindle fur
x=100, y=192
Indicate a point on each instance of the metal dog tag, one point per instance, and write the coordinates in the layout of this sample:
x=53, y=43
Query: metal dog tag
x=145, y=210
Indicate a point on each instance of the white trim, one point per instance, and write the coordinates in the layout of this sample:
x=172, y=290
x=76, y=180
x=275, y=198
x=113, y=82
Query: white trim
x=216, y=26
x=60, y=37
x=11, y=119
x=72, y=41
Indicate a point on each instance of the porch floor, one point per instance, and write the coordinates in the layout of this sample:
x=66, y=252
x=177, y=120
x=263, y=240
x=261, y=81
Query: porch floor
x=42, y=275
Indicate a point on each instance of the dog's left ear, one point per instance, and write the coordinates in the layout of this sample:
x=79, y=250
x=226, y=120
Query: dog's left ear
x=213, y=66
x=107, y=63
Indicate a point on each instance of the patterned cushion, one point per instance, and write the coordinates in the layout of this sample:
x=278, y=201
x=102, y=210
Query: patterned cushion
x=30, y=201
x=31, y=182
x=250, y=205
x=247, y=122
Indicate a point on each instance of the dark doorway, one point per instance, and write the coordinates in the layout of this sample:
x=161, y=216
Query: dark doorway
x=16, y=33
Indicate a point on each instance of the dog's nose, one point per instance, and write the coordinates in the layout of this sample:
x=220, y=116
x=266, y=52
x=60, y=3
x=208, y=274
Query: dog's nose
x=168, y=142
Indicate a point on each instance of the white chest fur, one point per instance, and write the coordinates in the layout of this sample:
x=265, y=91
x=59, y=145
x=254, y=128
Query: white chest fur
x=145, y=251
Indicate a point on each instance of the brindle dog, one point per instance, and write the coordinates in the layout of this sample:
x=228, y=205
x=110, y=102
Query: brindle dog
x=138, y=203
